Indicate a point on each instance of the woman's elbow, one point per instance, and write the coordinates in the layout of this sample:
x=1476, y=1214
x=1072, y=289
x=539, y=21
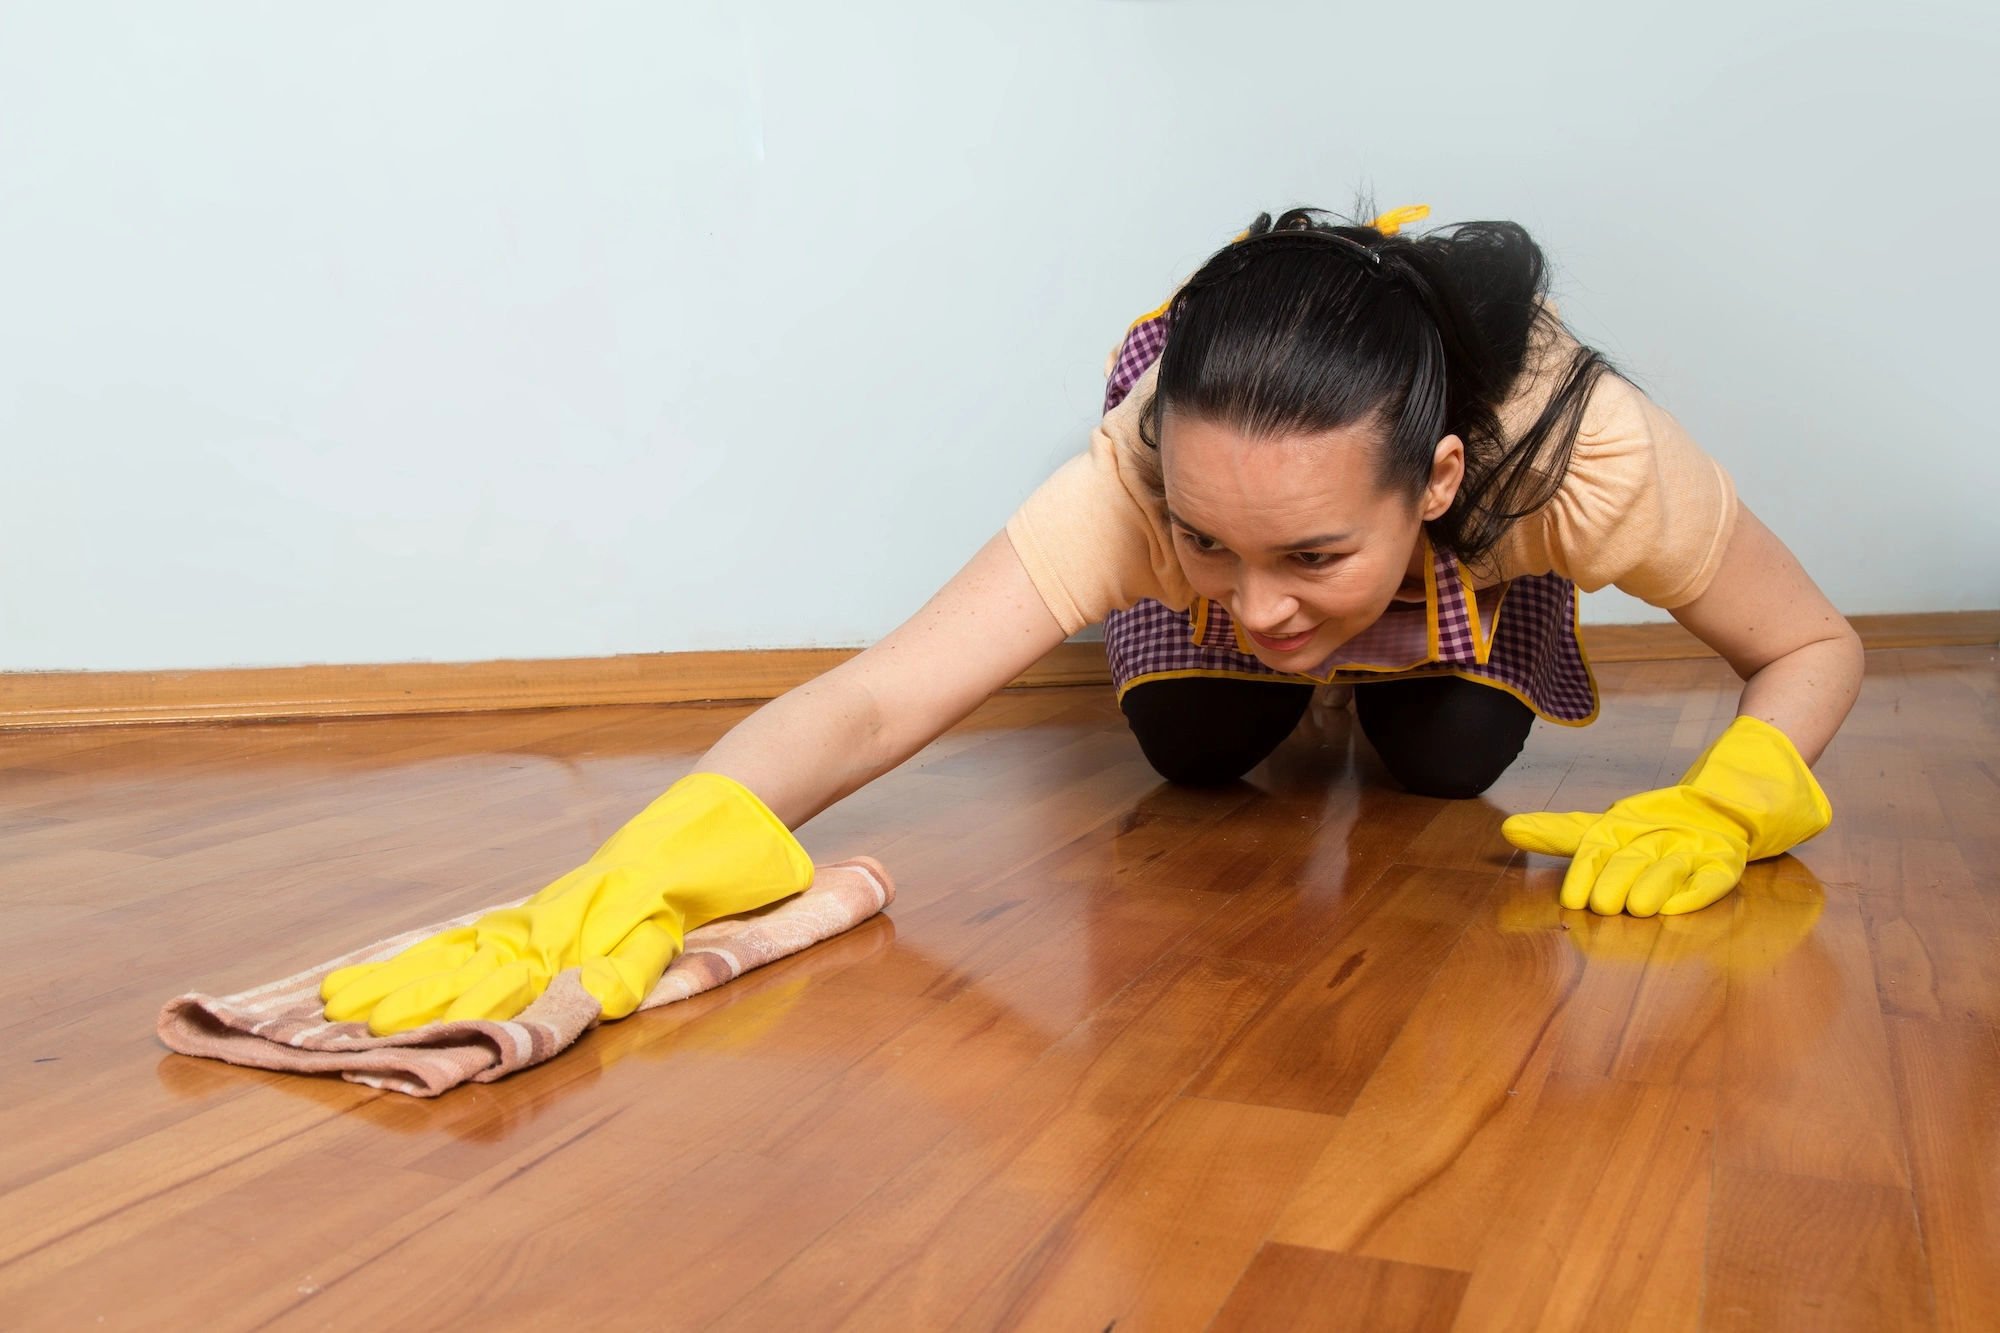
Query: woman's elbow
x=1852, y=656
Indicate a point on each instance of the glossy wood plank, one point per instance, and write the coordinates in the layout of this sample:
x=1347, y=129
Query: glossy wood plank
x=1162, y=1241
x=1606, y=1230
x=1294, y=1290
x=1649, y=1005
x=1789, y=1252
x=589, y=1154
x=1673, y=1030
x=1320, y=1041
x=1805, y=1075
x=1302, y=1051
x=1428, y=1148
x=1949, y=1078
x=1288, y=909
x=1934, y=939
x=998, y=1185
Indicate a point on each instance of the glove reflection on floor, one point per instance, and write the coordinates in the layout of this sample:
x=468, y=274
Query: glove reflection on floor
x=707, y=848
x=1748, y=796
x=1766, y=926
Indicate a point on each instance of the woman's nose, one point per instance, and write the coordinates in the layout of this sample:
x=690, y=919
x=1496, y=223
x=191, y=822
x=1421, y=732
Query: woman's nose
x=1264, y=606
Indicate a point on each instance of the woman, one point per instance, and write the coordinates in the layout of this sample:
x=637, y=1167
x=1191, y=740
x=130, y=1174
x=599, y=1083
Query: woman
x=1338, y=454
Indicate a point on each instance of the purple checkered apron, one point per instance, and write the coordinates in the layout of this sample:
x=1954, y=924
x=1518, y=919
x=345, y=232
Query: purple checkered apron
x=1532, y=651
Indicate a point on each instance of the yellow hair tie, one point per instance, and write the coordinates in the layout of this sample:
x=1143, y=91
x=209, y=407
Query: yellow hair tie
x=1392, y=222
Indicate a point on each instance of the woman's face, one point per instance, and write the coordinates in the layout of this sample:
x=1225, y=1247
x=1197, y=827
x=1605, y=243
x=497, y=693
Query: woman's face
x=1292, y=534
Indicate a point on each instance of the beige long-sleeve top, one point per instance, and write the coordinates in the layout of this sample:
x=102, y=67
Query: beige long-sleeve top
x=1641, y=507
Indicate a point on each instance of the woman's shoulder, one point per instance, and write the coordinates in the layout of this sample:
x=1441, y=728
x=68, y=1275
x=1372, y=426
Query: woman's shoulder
x=1094, y=536
x=1618, y=424
x=1640, y=504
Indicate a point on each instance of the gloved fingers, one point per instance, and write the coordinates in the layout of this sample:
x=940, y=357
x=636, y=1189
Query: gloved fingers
x=1657, y=883
x=622, y=979
x=350, y=992
x=1584, y=868
x=1548, y=833
x=508, y=929
x=1622, y=870
x=338, y=980
x=342, y=977
x=1711, y=880
x=426, y=999
x=500, y=994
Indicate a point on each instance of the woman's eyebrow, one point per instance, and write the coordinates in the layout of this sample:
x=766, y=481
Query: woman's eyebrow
x=1327, y=539
x=1330, y=539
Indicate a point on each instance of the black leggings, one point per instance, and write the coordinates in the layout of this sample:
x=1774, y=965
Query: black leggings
x=1437, y=735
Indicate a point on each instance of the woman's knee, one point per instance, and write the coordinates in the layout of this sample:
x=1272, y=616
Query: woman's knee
x=1204, y=731
x=1442, y=735
x=1455, y=777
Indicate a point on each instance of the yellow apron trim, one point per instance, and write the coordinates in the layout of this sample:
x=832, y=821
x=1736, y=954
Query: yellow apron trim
x=1482, y=635
x=1207, y=673
x=1155, y=313
x=1200, y=622
x=1583, y=654
x=1334, y=674
x=1502, y=685
x=1431, y=595
x=1483, y=649
x=1470, y=596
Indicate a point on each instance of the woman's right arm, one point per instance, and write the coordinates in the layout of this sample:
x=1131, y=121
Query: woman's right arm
x=838, y=732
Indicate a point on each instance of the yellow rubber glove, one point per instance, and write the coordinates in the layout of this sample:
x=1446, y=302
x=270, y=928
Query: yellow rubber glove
x=706, y=848
x=1679, y=849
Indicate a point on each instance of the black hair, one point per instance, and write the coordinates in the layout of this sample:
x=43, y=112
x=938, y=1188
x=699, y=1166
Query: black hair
x=1309, y=324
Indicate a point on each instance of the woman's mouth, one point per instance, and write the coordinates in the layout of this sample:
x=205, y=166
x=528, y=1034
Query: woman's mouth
x=1272, y=643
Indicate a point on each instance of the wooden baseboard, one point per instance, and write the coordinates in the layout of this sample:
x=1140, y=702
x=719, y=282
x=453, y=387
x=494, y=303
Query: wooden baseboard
x=1668, y=642
x=95, y=698
x=1930, y=629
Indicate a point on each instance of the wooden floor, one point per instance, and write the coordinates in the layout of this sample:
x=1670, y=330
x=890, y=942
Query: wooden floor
x=1304, y=1053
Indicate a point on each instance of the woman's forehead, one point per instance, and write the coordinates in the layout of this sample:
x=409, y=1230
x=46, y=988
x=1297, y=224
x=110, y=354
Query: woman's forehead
x=1290, y=491
x=1206, y=455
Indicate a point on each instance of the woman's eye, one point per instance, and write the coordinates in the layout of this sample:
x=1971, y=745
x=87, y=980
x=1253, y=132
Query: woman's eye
x=1206, y=545
x=1315, y=559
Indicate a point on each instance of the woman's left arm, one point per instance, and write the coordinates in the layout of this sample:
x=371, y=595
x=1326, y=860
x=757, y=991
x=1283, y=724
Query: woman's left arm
x=1800, y=660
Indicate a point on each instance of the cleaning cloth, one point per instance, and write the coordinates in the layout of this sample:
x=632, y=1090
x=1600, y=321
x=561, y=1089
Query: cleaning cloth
x=283, y=1025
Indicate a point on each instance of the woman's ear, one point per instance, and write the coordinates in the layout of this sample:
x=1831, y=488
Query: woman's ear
x=1447, y=472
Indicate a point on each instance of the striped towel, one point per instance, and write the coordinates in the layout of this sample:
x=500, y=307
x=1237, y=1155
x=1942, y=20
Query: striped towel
x=282, y=1025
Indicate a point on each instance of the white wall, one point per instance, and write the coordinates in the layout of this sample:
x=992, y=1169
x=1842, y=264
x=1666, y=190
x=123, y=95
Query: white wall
x=379, y=332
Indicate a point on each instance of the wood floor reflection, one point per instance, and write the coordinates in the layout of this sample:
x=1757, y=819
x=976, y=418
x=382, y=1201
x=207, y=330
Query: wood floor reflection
x=1303, y=1053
